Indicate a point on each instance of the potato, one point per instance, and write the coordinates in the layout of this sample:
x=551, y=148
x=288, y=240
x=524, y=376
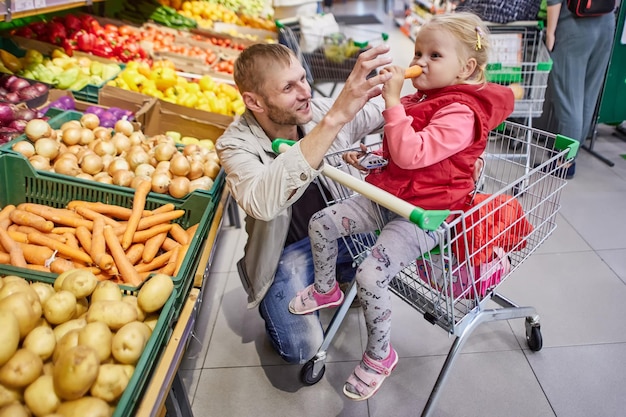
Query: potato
x=43, y=290
x=132, y=300
x=8, y=395
x=67, y=342
x=22, y=369
x=82, y=305
x=58, y=282
x=106, y=290
x=26, y=309
x=154, y=293
x=60, y=307
x=14, y=410
x=114, y=313
x=42, y=341
x=75, y=372
x=47, y=368
x=62, y=329
x=98, y=336
x=111, y=382
x=40, y=397
x=12, y=286
x=85, y=407
x=151, y=320
x=129, y=342
x=81, y=283
x=9, y=336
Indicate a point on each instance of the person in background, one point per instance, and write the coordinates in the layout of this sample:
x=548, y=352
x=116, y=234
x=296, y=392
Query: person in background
x=277, y=192
x=580, y=48
x=432, y=140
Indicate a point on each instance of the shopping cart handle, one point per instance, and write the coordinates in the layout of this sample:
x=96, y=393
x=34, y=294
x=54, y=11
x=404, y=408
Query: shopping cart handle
x=425, y=219
x=563, y=142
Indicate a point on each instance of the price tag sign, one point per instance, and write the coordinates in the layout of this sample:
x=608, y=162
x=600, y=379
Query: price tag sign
x=39, y=4
x=22, y=5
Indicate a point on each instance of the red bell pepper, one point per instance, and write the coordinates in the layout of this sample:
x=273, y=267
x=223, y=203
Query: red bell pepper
x=69, y=46
x=38, y=27
x=25, y=32
x=56, y=32
x=85, y=41
x=101, y=48
x=72, y=23
x=110, y=28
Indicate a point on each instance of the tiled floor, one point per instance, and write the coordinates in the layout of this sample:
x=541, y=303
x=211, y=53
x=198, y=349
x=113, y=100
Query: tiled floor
x=576, y=281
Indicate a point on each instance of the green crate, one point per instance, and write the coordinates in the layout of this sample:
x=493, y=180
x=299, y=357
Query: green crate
x=20, y=183
x=59, y=117
x=150, y=356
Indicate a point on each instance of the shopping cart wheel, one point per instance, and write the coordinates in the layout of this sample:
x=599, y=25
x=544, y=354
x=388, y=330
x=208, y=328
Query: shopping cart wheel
x=307, y=374
x=533, y=334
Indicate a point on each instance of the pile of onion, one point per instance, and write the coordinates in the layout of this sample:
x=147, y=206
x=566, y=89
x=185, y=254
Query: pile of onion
x=13, y=119
x=120, y=155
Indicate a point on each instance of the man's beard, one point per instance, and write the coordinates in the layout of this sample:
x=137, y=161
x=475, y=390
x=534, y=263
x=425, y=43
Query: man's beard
x=282, y=117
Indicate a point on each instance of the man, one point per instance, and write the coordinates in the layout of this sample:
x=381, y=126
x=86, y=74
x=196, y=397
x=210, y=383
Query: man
x=277, y=191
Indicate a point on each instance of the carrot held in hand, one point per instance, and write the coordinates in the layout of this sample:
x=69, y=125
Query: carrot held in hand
x=413, y=72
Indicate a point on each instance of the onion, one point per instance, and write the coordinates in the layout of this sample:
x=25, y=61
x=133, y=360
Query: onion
x=66, y=166
x=202, y=183
x=196, y=169
x=102, y=132
x=7, y=113
x=28, y=93
x=118, y=163
x=136, y=138
x=121, y=142
x=91, y=164
x=124, y=126
x=103, y=177
x=41, y=87
x=179, y=165
x=136, y=157
x=18, y=84
x=69, y=155
x=24, y=113
x=160, y=182
x=47, y=147
x=70, y=123
x=211, y=169
x=90, y=121
x=104, y=147
x=164, y=165
x=139, y=178
x=86, y=136
x=25, y=148
x=85, y=176
x=164, y=151
x=179, y=187
x=190, y=149
x=40, y=162
x=36, y=129
x=123, y=177
x=18, y=124
x=71, y=136
x=144, y=170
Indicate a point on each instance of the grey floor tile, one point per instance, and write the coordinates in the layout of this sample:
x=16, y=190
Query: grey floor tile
x=190, y=378
x=565, y=238
x=616, y=260
x=583, y=381
x=229, y=249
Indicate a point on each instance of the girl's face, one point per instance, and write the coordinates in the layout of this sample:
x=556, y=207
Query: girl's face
x=436, y=51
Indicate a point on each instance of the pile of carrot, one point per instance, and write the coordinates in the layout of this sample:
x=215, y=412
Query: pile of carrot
x=115, y=243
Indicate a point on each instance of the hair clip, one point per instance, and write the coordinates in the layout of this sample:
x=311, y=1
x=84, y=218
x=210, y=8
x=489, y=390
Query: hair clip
x=479, y=35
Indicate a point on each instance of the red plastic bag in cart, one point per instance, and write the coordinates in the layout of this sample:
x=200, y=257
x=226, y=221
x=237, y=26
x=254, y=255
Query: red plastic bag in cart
x=455, y=280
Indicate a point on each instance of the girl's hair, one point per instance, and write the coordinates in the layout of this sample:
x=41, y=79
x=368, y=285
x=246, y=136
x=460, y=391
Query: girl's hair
x=473, y=36
x=254, y=62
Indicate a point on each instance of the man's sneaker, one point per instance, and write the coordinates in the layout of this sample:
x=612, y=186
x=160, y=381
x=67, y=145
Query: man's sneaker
x=309, y=300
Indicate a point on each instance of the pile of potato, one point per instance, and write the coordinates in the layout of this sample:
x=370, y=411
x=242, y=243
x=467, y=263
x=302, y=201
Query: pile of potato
x=70, y=349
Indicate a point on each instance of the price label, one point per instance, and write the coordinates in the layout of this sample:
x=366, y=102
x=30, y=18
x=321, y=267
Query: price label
x=39, y=4
x=21, y=5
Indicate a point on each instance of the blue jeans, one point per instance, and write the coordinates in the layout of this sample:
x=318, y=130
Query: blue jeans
x=297, y=338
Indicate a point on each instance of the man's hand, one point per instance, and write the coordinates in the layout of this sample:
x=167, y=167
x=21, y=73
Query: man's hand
x=393, y=87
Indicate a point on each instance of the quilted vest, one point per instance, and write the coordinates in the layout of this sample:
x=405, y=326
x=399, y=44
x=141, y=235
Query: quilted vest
x=444, y=185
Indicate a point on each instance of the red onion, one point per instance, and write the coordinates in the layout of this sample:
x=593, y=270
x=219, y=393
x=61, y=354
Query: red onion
x=28, y=93
x=24, y=113
x=18, y=124
x=7, y=114
x=19, y=85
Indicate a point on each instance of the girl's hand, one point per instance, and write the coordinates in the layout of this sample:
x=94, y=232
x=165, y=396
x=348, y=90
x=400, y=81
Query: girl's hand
x=352, y=157
x=392, y=88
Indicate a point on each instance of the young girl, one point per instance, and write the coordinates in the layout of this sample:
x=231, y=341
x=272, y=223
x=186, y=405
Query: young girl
x=432, y=140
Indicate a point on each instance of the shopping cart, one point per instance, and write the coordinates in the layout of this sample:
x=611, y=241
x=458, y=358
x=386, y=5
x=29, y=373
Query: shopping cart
x=333, y=55
x=444, y=285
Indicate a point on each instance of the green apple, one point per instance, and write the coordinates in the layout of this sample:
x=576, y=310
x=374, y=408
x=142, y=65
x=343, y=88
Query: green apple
x=174, y=135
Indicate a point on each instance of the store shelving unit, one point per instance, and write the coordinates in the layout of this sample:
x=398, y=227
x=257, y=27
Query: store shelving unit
x=14, y=9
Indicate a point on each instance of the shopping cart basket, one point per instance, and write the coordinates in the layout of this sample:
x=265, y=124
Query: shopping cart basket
x=431, y=284
x=519, y=59
x=334, y=55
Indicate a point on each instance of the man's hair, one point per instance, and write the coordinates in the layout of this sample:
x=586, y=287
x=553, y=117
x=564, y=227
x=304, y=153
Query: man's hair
x=472, y=34
x=255, y=61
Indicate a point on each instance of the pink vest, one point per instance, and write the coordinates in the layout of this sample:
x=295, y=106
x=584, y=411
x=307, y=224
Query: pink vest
x=445, y=185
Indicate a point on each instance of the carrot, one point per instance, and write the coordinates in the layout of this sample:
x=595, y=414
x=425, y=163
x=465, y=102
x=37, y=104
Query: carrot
x=154, y=219
x=170, y=267
x=152, y=247
x=179, y=234
x=13, y=248
x=39, y=268
x=35, y=254
x=26, y=218
x=139, y=203
x=117, y=212
x=5, y=258
x=191, y=231
x=71, y=240
x=413, y=72
x=143, y=235
x=98, y=246
x=84, y=238
x=170, y=244
x=60, y=265
x=90, y=214
x=127, y=270
x=17, y=236
x=58, y=216
x=5, y=223
x=62, y=248
x=61, y=230
x=163, y=208
x=134, y=252
x=181, y=256
x=6, y=210
x=155, y=264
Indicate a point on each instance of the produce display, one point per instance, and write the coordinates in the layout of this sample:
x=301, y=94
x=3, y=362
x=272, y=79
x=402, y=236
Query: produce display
x=13, y=120
x=71, y=348
x=84, y=33
x=161, y=80
x=140, y=11
x=119, y=155
x=14, y=89
x=107, y=116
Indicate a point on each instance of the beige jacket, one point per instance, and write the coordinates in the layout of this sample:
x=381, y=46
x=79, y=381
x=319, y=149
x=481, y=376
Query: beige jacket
x=262, y=183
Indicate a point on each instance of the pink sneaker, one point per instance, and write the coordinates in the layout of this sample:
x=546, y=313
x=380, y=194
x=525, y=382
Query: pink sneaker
x=363, y=383
x=309, y=300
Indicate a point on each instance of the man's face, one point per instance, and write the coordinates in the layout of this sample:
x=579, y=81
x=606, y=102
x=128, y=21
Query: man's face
x=286, y=95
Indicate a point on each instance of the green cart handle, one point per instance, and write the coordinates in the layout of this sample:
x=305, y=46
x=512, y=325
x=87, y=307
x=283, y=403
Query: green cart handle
x=563, y=142
x=425, y=219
